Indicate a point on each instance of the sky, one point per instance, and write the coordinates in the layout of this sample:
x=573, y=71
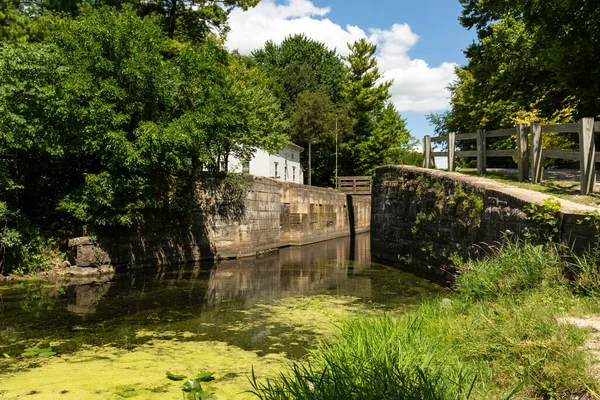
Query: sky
x=419, y=42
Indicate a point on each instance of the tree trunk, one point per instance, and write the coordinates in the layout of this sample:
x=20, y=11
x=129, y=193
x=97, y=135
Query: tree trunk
x=172, y=19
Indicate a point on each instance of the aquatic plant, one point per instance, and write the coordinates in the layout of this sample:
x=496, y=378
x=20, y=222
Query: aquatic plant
x=37, y=352
x=192, y=388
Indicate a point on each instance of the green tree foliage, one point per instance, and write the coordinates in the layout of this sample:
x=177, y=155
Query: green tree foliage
x=316, y=119
x=307, y=79
x=15, y=25
x=301, y=64
x=533, y=61
x=532, y=56
x=389, y=143
x=193, y=19
x=379, y=135
x=181, y=19
x=361, y=88
x=106, y=119
x=316, y=89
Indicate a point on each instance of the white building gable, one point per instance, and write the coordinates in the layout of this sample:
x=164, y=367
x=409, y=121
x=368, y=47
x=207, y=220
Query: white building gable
x=283, y=165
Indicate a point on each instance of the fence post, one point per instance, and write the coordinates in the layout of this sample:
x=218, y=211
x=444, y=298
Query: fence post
x=481, y=147
x=427, y=152
x=537, y=170
x=523, y=162
x=451, y=148
x=587, y=155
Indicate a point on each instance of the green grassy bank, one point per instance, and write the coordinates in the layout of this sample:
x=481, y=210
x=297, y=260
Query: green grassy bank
x=499, y=336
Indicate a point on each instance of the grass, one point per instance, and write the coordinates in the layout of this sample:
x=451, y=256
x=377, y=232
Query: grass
x=496, y=338
x=568, y=190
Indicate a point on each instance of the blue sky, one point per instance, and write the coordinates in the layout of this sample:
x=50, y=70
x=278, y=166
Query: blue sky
x=419, y=42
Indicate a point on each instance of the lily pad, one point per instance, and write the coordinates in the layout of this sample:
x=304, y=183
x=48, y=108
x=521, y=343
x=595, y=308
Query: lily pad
x=175, y=377
x=47, y=354
x=199, y=395
x=34, y=351
x=205, y=376
x=191, y=385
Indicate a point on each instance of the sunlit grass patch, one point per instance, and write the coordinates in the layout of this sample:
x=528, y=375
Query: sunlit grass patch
x=498, y=337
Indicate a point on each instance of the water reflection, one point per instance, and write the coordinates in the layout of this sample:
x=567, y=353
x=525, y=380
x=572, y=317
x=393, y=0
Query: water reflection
x=212, y=301
x=292, y=271
x=88, y=292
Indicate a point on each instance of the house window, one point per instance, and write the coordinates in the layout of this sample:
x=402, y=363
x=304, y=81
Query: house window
x=276, y=171
x=246, y=167
x=285, y=173
x=292, y=156
x=293, y=172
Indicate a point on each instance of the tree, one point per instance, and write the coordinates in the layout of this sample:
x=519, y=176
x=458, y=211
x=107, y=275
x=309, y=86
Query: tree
x=533, y=54
x=316, y=120
x=520, y=70
x=181, y=19
x=15, y=25
x=390, y=142
x=366, y=97
x=105, y=121
x=298, y=65
x=307, y=79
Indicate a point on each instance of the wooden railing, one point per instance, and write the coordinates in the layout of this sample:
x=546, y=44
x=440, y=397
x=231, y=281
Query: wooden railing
x=586, y=155
x=354, y=184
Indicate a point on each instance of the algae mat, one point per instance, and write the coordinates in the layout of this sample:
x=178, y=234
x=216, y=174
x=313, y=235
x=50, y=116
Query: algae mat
x=112, y=373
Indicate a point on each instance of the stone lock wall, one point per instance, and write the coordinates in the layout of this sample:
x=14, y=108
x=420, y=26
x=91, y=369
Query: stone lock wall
x=422, y=217
x=269, y=214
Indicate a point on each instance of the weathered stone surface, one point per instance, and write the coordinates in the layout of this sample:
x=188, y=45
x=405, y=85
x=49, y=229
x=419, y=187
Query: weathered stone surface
x=84, y=271
x=268, y=215
x=87, y=254
x=423, y=217
x=78, y=241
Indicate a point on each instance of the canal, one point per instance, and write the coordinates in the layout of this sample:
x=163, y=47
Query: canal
x=117, y=337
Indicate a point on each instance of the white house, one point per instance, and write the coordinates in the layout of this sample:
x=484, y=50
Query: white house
x=283, y=165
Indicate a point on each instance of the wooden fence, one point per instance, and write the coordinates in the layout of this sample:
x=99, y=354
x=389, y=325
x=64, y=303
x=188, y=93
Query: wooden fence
x=586, y=155
x=354, y=184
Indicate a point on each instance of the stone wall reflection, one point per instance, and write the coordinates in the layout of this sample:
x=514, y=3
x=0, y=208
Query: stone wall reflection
x=320, y=267
x=88, y=292
x=293, y=271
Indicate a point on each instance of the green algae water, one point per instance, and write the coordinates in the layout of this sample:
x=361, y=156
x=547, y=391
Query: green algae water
x=117, y=337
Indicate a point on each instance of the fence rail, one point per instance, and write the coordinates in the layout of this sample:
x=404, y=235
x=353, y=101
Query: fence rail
x=354, y=184
x=527, y=159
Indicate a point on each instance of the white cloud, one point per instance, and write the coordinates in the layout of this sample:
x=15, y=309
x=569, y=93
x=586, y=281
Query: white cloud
x=417, y=86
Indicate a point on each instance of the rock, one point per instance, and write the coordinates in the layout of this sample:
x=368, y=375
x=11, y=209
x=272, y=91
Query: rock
x=84, y=272
x=65, y=264
x=106, y=270
x=78, y=241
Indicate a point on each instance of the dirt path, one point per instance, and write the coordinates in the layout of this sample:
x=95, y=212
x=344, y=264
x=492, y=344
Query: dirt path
x=592, y=344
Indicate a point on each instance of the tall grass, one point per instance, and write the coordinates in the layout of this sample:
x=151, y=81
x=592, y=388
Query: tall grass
x=498, y=337
x=514, y=268
x=375, y=358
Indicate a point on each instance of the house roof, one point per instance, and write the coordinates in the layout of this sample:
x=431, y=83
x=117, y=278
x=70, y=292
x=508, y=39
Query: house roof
x=294, y=146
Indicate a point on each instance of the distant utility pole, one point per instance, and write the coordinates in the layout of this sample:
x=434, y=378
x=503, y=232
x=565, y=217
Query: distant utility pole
x=309, y=162
x=336, y=151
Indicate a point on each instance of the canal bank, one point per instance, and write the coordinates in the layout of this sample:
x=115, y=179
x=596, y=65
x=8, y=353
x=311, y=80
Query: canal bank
x=250, y=219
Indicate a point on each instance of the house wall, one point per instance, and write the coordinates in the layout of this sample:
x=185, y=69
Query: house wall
x=259, y=165
x=289, y=158
x=263, y=164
